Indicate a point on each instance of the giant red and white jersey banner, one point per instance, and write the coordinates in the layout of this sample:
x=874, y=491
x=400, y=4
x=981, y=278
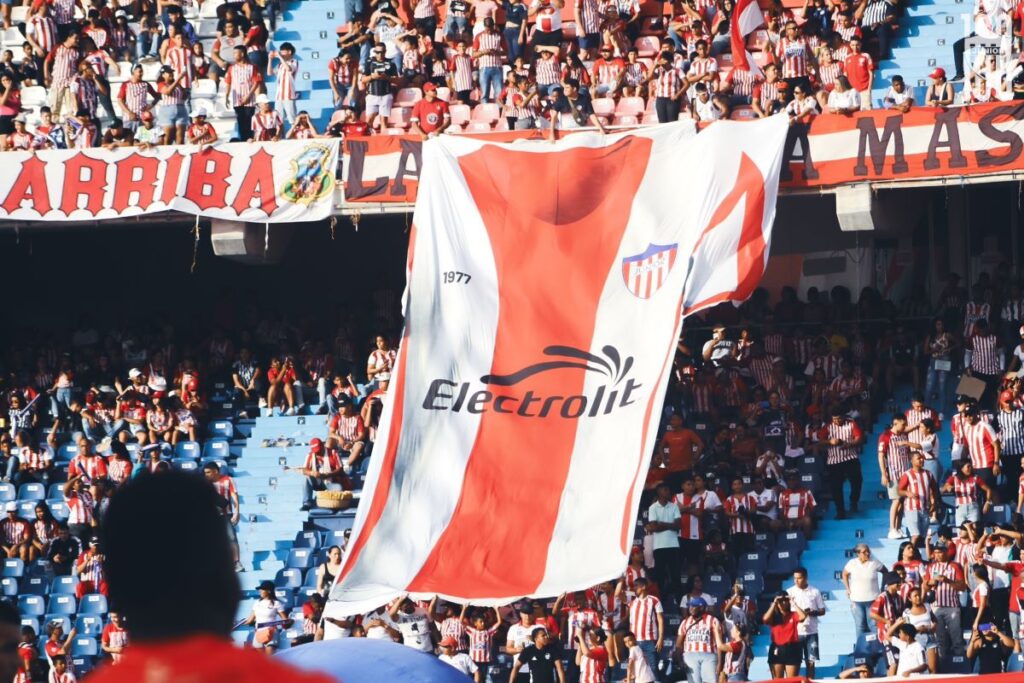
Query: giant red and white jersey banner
x=976, y=140
x=545, y=296
x=267, y=182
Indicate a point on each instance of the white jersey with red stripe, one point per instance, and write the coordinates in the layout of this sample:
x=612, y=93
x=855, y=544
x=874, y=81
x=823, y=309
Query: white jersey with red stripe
x=485, y=42
x=481, y=643
x=548, y=70
x=608, y=71
x=846, y=431
x=180, y=60
x=589, y=17
x=460, y=67
x=65, y=66
x=893, y=448
x=643, y=617
x=286, y=70
x=793, y=54
x=549, y=16
x=594, y=665
x=226, y=488
x=981, y=439
x=80, y=508
x=575, y=618
x=242, y=78
x=690, y=528
x=747, y=502
x=698, y=633
x=973, y=312
x=265, y=124
x=918, y=485
x=966, y=489
x=796, y=503
x=916, y=417
x=43, y=30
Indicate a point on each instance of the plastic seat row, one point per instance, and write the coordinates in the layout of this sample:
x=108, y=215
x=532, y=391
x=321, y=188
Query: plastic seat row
x=62, y=604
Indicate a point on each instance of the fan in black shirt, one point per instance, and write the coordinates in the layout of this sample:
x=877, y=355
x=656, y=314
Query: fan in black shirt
x=544, y=659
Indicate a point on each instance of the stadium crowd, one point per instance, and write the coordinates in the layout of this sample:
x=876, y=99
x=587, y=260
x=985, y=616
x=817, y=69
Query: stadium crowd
x=764, y=428
x=138, y=73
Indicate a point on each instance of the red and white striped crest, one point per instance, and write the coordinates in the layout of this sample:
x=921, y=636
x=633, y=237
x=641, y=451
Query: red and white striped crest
x=645, y=273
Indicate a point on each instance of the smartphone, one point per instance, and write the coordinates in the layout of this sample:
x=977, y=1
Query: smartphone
x=984, y=627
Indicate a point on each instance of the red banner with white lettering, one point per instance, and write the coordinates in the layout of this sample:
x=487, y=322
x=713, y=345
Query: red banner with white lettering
x=267, y=182
x=867, y=146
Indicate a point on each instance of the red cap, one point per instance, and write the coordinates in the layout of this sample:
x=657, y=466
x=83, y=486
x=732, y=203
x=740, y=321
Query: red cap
x=147, y=116
x=1006, y=397
x=448, y=641
x=939, y=72
x=608, y=47
x=193, y=385
x=316, y=444
x=429, y=87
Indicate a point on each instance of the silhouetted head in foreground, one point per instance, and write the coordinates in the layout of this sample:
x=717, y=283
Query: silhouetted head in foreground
x=169, y=565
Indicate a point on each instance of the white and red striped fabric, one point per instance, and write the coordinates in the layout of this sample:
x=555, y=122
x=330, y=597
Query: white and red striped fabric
x=698, y=633
x=740, y=524
x=965, y=489
x=918, y=485
x=643, y=617
x=747, y=18
x=556, y=368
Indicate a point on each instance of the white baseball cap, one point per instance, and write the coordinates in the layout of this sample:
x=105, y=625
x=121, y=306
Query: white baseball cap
x=262, y=98
x=11, y=506
x=134, y=372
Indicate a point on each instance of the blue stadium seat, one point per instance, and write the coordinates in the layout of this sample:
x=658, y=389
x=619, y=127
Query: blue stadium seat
x=41, y=568
x=64, y=585
x=31, y=622
x=67, y=452
x=185, y=464
x=286, y=597
x=93, y=603
x=13, y=567
x=868, y=644
x=64, y=619
x=27, y=508
x=133, y=450
x=89, y=625
x=222, y=465
x=84, y=646
x=7, y=492
x=62, y=604
x=217, y=448
x=60, y=510
x=222, y=429
x=288, y=578
x=310, y=580
x=718, y=585
x=752, y=562
x=782, y=562
x=881, y=668
x=300, y=558
x=764, y=542
x=187, y=449
x=999, y=514
x=32, y=491
x=31, y=605
x=242, y=636
x=305, y=592
x=9, y=587
x=34, y=585
x=334, y=538
x=82, y=666
x=753, y=583
x=307, y=539
x=1016, y=663
x=958, y=664
x=812, y=481
x=794, y=541
x=55, y=491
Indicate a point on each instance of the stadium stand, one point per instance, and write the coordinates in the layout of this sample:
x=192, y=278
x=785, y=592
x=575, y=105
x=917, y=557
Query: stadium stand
x=179, y=69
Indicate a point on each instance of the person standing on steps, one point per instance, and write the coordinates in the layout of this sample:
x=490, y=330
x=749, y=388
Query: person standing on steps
x=843, y=438
x=860, y=576
x=810, y=601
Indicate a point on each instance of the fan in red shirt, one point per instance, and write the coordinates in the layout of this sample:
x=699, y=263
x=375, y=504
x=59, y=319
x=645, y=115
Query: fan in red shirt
x=430, y=115
x=860, y=71
x=115, y=638
x=182, y=631
x=592, y=658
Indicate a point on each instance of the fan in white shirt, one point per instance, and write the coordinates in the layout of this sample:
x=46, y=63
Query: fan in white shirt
x=458, y=660
x=912, y=658
x=844, y=99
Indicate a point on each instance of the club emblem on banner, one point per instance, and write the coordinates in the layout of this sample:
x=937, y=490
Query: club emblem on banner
x=645, y=273
x=311, y=179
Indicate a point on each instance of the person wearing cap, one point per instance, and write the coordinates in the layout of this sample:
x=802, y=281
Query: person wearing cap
x=322, y=466
x=20, y=139
x=945, y=577
x=520, y=636
x=136, y=97
x=940, y=91
x=698, y=641
x=379, y=75
x=268, y=616
x=267, y=124
x=785, y=653
x=459, y=660
x=58, y=646
x=430, y=116
x=15, y=534
x=147, y=134
x=201, y=132
x=607, y=72
x=888, y=606
x=92, y=577
x=243, y=81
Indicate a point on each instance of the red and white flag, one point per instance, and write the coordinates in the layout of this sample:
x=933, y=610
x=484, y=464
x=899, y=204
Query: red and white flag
x=747, y=18
x=545, y=295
